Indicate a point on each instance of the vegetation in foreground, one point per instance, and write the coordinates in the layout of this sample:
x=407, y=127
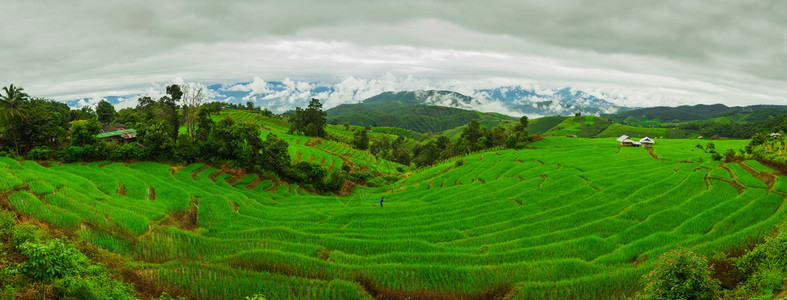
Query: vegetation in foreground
x=540, y=223
x=557, y=220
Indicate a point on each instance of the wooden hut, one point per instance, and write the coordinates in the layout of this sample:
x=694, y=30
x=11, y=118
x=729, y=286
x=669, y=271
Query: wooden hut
x=624, y=140
x=646, y=142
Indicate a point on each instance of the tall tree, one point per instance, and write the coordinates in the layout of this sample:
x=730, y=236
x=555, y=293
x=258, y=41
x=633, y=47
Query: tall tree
x=174, y=95
x=193, y=97
x=361, y=139
x=310, y=121
x=14, y=109
x=105, y=111
x=524, y=121
x=84, y=133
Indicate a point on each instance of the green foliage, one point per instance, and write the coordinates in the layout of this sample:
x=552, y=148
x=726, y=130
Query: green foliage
x=409, y=111
x=14, y=111
x=256, y=297
x=361, y=139
x=105, y=111
x=166, y=296
x=50, y=261
x=157, y=139
x=310, y=121
x=524, y=121
x=7, y=221
x=26, y=233
x=84, y=133
x=680, y=274
x=765, y=266
x=40, y=153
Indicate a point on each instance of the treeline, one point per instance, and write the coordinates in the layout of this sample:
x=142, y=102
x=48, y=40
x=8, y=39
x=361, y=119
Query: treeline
x=738, y=130
x=177, y=128
x=473, y=138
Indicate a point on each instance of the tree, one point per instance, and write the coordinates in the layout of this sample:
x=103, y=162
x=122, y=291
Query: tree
x=524, y=121
x=156, y=136
x=470, y=135
x=428, y=154
x=46, y=123
x=84, y=133
x=193, y=96
x=312, y=115
x=105, y=111
x=14, y=107
x=275, y=156
x=680, y=274
x=204, y=123
x=346, y=126
x=381, y=147
x=170, y=102
x=498, y=136
x=401, y=155
x=361, y=139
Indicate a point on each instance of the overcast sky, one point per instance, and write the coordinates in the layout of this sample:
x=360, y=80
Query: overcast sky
x=644, y=52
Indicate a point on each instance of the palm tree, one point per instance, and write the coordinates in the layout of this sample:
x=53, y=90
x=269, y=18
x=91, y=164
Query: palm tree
x=13, y=106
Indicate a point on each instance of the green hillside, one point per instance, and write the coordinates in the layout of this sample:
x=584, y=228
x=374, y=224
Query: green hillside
x=542, y=125
x=331, y=155
x=582, y=126
x=686, y=113
x=570, y=218
x=405, y=110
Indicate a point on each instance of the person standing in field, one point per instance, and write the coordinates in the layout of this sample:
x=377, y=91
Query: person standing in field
x=381, y=201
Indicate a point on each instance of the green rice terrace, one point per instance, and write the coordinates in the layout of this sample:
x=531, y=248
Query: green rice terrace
x=568, y=218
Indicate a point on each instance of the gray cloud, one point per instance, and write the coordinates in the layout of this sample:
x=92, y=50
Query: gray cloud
x=645, y=53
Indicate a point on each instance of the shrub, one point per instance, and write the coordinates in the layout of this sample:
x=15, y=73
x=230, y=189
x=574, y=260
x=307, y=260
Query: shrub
x=680, y=274
x=96, y=286
x=50, y=261
x=716, y=156
x=6, y=221
x=39, y=153
x=764, y=266
x=26, y=233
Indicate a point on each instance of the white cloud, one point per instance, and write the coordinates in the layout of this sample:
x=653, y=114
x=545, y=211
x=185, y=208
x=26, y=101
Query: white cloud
x=642, y=54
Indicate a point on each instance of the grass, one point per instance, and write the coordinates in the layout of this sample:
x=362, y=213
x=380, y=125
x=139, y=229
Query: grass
x=564, y=219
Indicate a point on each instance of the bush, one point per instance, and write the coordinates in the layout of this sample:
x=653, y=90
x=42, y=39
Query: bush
x=716, y=156
x=6, y=221
x=127, y=152
x=764, y=266
x=680, y=274
x=50, y=261
x=98, y=285
x=26, y=233
x=39, y=153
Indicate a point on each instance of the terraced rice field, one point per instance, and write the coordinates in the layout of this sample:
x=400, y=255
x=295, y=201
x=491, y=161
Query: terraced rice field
x=331, y=155
x=571, y=218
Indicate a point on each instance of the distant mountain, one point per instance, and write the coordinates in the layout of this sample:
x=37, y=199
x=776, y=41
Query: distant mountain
x=564, y=102
x=421, y=111
x=699, y=112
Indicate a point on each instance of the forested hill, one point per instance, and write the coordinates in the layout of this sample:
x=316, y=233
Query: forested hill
x=699, y=112
x=421, y=111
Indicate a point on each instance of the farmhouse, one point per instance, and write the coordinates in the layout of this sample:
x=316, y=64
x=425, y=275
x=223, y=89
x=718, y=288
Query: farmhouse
x=624, y=140
x=646, y=142
x=123, y=136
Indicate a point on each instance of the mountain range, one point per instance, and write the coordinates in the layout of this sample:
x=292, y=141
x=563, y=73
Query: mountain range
x=421, y=111
x=283, y=96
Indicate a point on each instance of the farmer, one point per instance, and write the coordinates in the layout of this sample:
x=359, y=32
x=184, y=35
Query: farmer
x=381, y=201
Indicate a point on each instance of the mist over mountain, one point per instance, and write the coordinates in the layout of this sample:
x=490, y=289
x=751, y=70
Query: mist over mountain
x=286, y=95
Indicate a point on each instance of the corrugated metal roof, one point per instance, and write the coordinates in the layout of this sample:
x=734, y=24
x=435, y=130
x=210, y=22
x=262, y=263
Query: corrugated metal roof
x=114, y=133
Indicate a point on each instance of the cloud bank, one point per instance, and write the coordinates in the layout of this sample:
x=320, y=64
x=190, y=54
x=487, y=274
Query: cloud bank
x=639, y=53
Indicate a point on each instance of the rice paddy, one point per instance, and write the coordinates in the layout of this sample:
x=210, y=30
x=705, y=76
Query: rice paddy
x=570, y=218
